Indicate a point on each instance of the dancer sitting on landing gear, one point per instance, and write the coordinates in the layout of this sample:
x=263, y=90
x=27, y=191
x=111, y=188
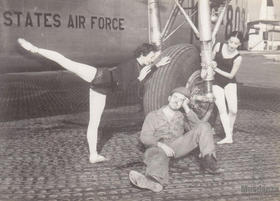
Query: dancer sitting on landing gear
x=145, y=55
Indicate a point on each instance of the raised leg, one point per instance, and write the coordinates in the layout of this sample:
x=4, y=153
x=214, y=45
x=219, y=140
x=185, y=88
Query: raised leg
x=84, y=71
x=201, y=135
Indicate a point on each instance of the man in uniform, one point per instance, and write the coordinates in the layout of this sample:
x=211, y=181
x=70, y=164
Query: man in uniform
x=168, y=133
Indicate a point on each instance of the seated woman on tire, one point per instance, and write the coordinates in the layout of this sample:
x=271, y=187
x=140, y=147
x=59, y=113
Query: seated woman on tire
x=146, y=55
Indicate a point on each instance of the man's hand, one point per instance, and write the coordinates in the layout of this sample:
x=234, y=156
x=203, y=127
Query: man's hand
x=163, y=61
x=168, y=150
x=144, y=72
x=186, y=105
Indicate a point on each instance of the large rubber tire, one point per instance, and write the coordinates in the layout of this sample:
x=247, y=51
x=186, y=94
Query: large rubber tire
x=184, y=61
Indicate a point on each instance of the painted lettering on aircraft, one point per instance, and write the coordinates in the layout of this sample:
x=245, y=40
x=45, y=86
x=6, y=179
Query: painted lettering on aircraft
x=107, y=23
x=28, y=19
x=235, y=20
x=56, y=20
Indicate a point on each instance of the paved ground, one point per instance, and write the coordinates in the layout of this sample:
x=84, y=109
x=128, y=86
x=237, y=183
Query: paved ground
x=46, y=157
x=260, y=70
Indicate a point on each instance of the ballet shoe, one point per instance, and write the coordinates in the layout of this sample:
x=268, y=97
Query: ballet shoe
x=97, y=159
x=225, y=141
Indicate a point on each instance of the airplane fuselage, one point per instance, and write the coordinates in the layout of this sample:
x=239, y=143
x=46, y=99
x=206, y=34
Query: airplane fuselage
x=96, y=32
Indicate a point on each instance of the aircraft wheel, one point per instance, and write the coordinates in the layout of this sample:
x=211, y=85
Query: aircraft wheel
x=197, y=87
x=183, y=70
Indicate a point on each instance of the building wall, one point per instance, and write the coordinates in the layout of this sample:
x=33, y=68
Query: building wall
x=264, y=36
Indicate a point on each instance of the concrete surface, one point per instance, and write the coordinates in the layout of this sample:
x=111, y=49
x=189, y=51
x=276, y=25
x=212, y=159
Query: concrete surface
x=44, y=153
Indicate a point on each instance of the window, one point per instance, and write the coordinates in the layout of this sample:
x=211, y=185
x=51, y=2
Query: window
x=269, y=3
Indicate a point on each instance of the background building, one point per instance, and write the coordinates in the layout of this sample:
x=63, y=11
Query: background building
x=263, y=25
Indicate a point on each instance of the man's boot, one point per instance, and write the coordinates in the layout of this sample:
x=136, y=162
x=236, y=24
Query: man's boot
x=209, y=164
x=143, y=181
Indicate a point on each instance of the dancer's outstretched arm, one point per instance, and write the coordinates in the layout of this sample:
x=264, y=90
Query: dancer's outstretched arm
x=84, y=71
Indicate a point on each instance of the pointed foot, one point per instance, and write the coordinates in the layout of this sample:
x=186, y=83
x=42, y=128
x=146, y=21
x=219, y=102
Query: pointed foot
x=225, y=141
x=97, y=159
x=27, y=45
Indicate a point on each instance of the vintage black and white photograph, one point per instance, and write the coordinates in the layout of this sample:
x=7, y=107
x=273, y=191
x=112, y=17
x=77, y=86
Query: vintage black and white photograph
x=139, y=100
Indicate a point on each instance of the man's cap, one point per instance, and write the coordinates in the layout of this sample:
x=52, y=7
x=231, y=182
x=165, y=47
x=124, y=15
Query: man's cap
x=182, y=90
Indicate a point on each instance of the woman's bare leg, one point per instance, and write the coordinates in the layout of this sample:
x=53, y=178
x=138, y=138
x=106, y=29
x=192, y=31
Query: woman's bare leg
x=231, y=96
x=84, y=71
x=220, y=101
x=97, y=100
x=96, y=107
